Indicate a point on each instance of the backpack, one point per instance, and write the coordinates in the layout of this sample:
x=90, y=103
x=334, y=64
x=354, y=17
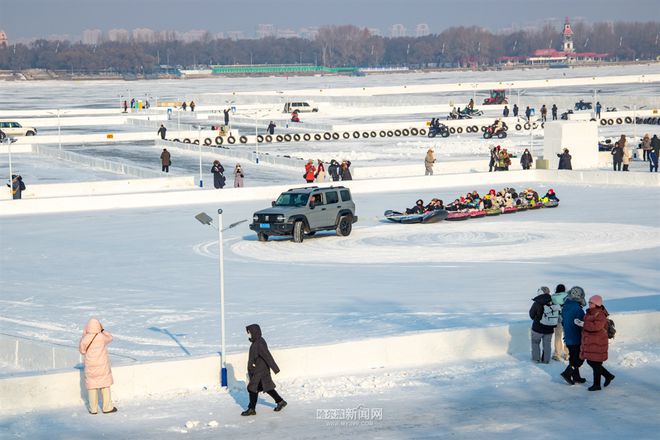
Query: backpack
x=611, y=329
x=550, y=315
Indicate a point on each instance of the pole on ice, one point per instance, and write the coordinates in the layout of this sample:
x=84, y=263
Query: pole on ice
x=221, y=258
x=205, y=219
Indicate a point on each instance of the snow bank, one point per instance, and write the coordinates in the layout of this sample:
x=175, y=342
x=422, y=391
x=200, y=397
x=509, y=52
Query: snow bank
x=195, y=197
x=411, y=350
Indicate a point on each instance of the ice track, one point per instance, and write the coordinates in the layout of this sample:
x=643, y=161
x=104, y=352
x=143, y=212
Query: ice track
x=471, y=241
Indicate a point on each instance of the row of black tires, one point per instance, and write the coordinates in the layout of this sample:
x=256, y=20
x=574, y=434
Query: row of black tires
x=219, y=140
x=612, y=121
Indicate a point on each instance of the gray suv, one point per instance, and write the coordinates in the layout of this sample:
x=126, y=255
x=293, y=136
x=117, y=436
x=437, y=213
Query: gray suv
x=303, y=211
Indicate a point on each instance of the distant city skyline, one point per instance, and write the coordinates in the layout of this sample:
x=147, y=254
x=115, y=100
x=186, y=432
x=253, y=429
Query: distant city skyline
x=69, y=19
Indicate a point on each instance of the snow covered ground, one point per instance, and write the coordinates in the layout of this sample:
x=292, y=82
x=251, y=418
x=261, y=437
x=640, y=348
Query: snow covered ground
x=150, y=274
x=499, y=398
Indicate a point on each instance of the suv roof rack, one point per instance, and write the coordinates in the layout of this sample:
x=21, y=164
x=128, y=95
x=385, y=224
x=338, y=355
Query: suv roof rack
x=303, y=187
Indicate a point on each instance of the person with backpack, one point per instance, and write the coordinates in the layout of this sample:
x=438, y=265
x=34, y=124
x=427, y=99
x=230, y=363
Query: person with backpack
x=559, y=297
x=17, y=187
x=260, y=362
x=595, y=341
x=545, y=317
x=572, y=312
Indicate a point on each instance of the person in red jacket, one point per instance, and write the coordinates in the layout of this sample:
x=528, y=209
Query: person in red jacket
x=594, y=340
x=310, y=171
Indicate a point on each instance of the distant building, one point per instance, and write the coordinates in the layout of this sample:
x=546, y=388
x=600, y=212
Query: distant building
x=195, y=35
x=143, y=35
x=397, y=30
x=308, y=33
x=3, y=39
x=422, y=30
x=119, y=35
x=568, y=38
x=91, y=37
x=555, y=57
x=287, y=33
x=235, y=35
x=265, y=30
x=375, y=32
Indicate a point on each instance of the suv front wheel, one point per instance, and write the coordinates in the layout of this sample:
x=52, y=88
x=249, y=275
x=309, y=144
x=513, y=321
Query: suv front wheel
x=298, y=232
x=262, y=237
x=344, y=226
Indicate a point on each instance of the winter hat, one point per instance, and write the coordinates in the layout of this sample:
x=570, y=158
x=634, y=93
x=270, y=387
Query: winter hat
x=596, y=300
x=577, y=294
x=543, y=291
x=560, y=288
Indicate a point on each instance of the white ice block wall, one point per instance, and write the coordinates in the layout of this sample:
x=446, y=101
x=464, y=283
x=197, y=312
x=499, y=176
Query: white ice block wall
x=581, y=139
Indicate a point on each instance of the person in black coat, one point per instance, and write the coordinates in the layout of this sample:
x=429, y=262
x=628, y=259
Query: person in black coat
x=515, y=110
x=260, y=362
x=526, y=160
x=565, y=160
x=271, y=128
x=333, y=170
x=554, y=112
x=226, y=112
x=162, y=131
x=505, y=112
x=17, y=187
x=617, y=156
x=218, y=177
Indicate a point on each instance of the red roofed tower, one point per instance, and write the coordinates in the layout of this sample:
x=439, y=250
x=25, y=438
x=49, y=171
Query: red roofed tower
x=568, y=38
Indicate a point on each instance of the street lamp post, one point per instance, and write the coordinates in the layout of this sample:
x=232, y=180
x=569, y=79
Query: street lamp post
x=221, y=265
x=205, y=219
x=199, y=144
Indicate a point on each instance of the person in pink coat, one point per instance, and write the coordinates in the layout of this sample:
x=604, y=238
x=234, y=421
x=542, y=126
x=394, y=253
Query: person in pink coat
x=98, y=375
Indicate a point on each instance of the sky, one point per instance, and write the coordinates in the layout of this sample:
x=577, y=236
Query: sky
x=23, y=19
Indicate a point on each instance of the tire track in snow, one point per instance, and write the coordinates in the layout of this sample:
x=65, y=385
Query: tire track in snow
x=456, y=242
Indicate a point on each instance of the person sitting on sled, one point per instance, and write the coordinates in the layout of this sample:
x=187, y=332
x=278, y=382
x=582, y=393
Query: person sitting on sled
x=488, y=204
x=417, y=209
x=436, y=204
x=550, y=195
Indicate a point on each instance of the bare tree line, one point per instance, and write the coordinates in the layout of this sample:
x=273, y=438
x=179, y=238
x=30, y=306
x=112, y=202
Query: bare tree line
x=337, y=46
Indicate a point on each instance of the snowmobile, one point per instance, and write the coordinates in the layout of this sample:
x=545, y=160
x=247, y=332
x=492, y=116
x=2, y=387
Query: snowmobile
x=582, y=105
x=490, y=132
x=438, y=129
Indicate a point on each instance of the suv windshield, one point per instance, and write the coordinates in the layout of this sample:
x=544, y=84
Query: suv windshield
x=292, y=199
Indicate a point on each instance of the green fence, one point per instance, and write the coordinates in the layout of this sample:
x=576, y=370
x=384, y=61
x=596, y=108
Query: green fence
x=265, y=69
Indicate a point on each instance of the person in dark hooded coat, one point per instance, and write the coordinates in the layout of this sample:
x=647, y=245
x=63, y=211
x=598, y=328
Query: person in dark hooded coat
x=260, y=362
x=333, y=169
x=565, y=160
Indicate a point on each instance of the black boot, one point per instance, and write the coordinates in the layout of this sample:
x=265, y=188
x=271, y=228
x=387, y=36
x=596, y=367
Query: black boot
x=249, y=412
x=609, y=377
x=576, y=376
x=567, y=375
x=594, y=388
x=281, y=404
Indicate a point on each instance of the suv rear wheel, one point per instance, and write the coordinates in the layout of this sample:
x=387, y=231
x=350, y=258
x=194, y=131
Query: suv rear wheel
x=298, y=232
x=30, y=133
x=262, y=237
x=344, y=226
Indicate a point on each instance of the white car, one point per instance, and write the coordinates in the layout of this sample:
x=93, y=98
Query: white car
x=13, y=128
x=301, y=106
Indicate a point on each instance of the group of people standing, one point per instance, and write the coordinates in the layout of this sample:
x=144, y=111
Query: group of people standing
x=585, y=335
x=337, y=171
x=219, y=179
x=500, y=160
